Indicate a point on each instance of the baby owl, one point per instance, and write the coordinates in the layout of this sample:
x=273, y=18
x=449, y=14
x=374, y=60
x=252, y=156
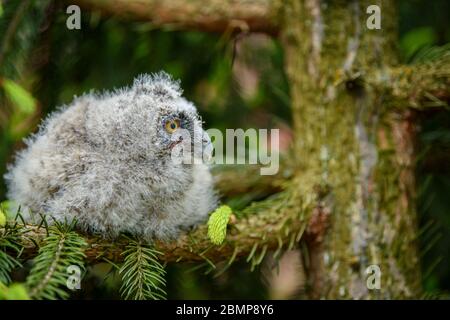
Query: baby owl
x=106, y=160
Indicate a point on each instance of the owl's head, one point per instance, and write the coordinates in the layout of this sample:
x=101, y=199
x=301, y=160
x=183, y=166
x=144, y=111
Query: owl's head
x=149, y=119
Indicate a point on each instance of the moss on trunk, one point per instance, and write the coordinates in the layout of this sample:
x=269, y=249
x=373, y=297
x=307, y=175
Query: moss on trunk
x=355, y=155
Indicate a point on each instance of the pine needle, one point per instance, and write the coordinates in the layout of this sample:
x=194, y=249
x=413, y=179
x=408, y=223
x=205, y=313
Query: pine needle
x=49, y=276
x=9, y=242
x=142, y=273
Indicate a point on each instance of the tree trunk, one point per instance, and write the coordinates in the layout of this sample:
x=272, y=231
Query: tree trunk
x=354, y=153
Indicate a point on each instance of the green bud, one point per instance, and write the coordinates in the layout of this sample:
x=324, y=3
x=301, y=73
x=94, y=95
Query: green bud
x=2, y=218
x=217, y=224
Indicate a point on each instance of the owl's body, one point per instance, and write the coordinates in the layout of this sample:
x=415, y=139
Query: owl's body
x=106, y=161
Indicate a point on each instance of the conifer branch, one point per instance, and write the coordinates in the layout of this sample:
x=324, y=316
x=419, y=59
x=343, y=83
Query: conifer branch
x=60, y=249
x=276, y=223
x=423, y=84
x=9, y=243
x=142, y=274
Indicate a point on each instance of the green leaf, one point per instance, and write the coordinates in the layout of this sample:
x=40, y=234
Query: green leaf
x=20, y=97
x=217, y=224
x=415, y=39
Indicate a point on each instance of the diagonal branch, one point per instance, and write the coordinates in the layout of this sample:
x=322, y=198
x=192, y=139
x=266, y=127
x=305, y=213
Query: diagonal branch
x=419, y=86
x=210, y=16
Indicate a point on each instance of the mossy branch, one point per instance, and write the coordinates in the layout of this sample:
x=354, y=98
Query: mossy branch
x=421, y=85
x=210, y=16
x=275, y=223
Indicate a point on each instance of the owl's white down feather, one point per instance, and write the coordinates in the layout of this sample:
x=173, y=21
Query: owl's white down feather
x=105, y=160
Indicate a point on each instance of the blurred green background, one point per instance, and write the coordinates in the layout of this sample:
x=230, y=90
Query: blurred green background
x=235, y=82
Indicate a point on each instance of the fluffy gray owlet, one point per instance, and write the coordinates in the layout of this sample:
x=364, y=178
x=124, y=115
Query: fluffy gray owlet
x=106, y=160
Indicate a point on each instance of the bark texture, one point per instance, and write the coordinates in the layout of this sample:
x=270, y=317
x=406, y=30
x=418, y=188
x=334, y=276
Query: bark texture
x=354, y=154
x=210, y=16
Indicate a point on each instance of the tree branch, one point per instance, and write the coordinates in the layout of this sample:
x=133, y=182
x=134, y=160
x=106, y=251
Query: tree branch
x=210, y=16
x=262, y=226
x=420, y=86
x=276, y=223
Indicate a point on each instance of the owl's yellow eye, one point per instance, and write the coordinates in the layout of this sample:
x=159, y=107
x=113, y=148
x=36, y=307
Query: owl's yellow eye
x=172, y=125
